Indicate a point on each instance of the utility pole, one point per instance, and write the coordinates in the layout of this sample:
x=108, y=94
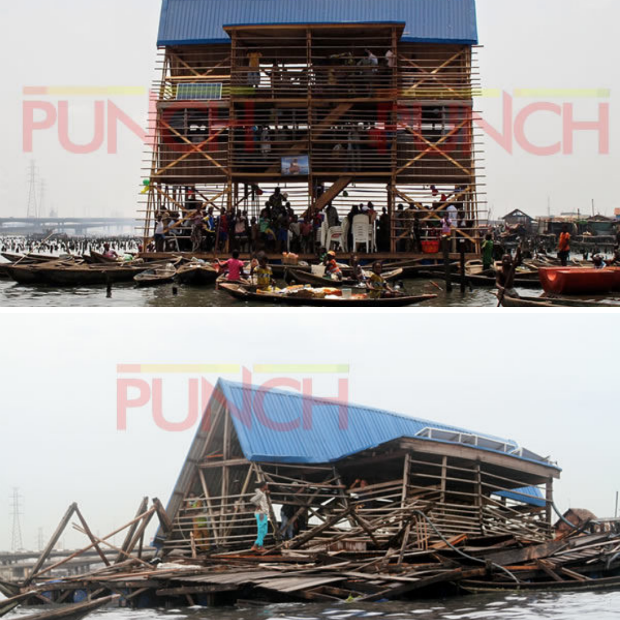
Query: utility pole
x=42, y=188
x=16, y=541
x=32, y=209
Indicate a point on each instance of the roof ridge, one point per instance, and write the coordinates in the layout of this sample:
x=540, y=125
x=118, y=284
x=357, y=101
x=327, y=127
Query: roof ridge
x=394, y=414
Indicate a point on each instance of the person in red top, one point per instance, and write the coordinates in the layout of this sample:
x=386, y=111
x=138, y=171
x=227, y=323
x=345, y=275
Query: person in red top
x=564, y=246
x=234, y=267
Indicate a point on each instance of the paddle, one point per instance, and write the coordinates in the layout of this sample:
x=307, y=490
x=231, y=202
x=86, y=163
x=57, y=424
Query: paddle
x=437, y=286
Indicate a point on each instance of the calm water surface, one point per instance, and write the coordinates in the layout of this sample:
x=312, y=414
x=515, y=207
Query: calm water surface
x=560, y=606
x=129, y=295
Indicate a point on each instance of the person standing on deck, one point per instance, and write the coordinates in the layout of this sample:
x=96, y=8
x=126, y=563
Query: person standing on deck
x=564, y=246
x=487, y=252
x=446, y=225
x=261, y=512
x=160, y=235
x=331, y=214
x=254, y=57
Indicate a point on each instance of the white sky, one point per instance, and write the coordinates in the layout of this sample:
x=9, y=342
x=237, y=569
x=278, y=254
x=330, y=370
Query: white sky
x=547, y=381
x=534, y=44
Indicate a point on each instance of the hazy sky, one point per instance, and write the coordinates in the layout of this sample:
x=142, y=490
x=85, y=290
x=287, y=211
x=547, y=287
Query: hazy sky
x=547, y=381
x=530, y=44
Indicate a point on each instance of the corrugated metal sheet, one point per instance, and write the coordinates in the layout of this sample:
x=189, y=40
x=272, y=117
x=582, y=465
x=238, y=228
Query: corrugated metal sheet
x=279, y=426
x=186, y=22
x=527, y=495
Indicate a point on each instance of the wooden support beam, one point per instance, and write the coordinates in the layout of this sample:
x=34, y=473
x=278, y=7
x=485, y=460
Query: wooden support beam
x=455, y=575
x=209, y=589
x=546, y=568
x=164, y=519
x=304, y=538
x=102, y=555
x=50, y=545
x=132, y=530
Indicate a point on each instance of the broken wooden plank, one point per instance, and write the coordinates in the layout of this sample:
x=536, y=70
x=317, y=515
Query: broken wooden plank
x=532, y=552
x=404, y=588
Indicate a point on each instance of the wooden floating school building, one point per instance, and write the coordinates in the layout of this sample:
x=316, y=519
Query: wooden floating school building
x=357, y=478
x=388, y=506
x=333, y=101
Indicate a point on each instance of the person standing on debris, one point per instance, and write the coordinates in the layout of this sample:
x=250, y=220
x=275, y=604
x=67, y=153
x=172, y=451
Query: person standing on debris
x=261, y=505
x=564, y=246
x=200, y=524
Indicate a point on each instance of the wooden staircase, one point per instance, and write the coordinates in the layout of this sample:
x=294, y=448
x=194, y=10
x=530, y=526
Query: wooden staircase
x=319, y=130
x=331, y=193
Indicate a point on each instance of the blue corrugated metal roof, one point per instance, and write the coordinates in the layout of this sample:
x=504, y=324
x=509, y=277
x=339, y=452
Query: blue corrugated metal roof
x=279, y=426
x=527, y=495
x=189, y=22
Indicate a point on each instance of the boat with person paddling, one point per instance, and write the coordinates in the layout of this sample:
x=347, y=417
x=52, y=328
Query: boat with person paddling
x=307, y=296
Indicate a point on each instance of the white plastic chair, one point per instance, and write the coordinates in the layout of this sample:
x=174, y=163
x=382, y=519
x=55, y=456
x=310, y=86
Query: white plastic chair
x=362, y=233
x=322, y=234
x=345, y=235
x=334, y=235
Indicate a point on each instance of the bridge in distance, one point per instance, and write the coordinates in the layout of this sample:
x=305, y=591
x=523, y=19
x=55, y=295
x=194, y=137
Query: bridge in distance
x=67, y=225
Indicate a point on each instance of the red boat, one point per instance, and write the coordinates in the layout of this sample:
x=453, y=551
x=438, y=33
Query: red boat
x=578, y=281
x=616, y=271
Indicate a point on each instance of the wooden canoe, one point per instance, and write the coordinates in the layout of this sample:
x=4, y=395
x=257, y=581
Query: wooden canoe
x=577, y=280
x=157, y=276
x=603, y=583
x=61, y=274
x=197, y=274
x=242, y=294
x=524, y=302
x=33, y=258
x=309, y=278
x=72, y=612
x=553, y=302
x=482, y=281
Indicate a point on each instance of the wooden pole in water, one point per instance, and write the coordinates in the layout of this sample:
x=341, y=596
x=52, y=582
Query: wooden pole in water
x=446, y=262
x=463, y=282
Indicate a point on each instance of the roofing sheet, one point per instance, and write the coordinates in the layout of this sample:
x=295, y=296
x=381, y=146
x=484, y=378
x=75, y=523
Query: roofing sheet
x=188, y=22
x=279, y=426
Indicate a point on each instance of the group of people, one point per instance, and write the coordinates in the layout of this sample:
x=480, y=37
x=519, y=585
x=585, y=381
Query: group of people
x=331, y=73
x=293, y=515
x=375, y=282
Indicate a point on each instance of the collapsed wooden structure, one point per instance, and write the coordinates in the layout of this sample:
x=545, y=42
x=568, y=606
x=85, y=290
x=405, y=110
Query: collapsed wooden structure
x=365, y=102
x=311, y=452
x=386, y=505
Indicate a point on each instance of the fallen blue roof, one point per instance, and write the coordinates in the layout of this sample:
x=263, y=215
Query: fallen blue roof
x=527, y=495
x=192, y=22
x=279, y=426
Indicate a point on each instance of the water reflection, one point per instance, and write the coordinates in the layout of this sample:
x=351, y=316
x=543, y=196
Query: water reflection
x=178, y=296
x=560, y=606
